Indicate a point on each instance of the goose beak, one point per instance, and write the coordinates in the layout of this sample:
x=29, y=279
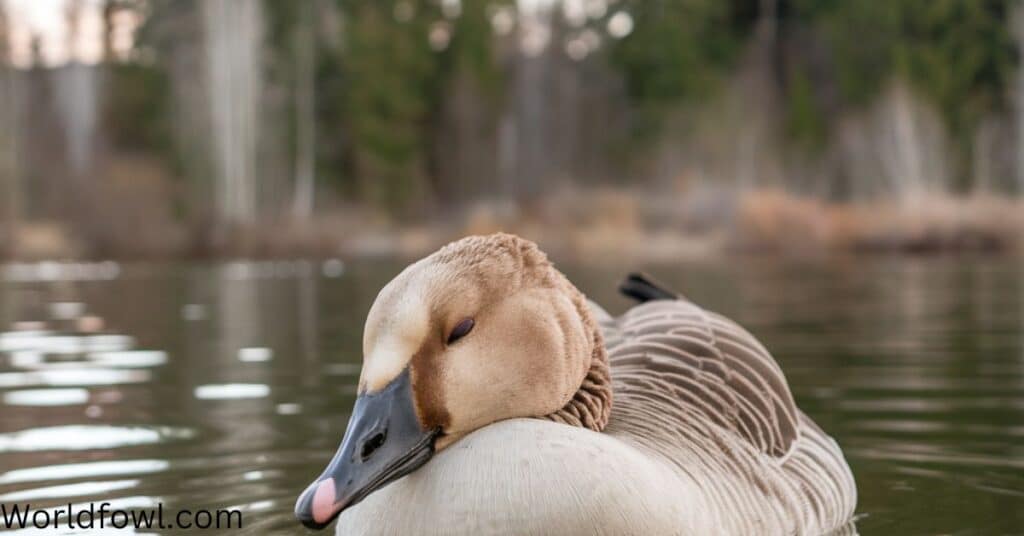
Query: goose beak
x=384, y=442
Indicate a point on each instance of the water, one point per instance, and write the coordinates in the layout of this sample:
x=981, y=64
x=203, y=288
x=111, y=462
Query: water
x=228, y=386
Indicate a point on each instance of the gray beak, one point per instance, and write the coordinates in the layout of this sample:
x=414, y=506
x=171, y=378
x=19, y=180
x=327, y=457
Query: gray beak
x=384, y=442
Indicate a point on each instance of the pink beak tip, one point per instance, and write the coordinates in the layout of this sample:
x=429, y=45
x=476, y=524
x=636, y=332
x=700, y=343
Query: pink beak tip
x=323, y=501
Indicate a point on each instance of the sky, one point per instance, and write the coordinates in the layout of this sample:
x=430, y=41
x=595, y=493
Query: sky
x=48, y=20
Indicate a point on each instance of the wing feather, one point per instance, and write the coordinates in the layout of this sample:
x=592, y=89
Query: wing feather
x=690, y=361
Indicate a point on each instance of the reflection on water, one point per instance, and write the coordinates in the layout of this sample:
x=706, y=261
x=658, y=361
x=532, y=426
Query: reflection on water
x=88, y=437
x=60, y=271
x=232, y=390
x=253, y=355
x=81, y=489
x=46, y=397
x=83, y=470
x=229, y=386
x=71, y=376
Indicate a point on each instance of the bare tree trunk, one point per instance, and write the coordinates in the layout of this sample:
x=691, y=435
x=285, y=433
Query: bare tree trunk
x=1018, y=23
x=982, y=171
x=233, y=31
x=759, y=89
x=10, y=194
x=305, y=115
x=531, y=106
x=109, y=10
x=908, y=179
x=77, y=94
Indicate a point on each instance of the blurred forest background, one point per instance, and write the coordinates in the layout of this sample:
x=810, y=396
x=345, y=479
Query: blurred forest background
x=155, y=128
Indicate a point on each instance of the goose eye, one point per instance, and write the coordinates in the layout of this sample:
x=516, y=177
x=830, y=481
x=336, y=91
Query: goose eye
x=460, y=330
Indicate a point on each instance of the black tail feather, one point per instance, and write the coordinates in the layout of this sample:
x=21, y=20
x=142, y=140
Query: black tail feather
x=643, y=288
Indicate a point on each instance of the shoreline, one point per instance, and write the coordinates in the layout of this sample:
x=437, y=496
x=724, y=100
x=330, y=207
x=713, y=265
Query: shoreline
x=569, y=225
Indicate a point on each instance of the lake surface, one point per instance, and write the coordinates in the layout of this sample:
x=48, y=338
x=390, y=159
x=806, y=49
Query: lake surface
x=229, y=385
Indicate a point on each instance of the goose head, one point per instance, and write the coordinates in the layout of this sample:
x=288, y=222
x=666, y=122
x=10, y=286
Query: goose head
x=483, y=330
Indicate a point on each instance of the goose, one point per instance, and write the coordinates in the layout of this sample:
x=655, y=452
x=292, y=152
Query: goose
x=494, y=398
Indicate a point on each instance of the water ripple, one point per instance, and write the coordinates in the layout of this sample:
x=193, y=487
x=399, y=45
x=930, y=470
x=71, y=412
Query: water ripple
x=89, y=437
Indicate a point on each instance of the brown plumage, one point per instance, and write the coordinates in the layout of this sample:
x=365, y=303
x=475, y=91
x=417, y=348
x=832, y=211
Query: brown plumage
x=681, y=422
x=502, y=264
x=702, y=392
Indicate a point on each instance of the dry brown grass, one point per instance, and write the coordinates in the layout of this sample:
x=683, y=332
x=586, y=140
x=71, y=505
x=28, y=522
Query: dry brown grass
x=589, y=225
x=604, y=223
x=780, y=222
x=633, y=225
